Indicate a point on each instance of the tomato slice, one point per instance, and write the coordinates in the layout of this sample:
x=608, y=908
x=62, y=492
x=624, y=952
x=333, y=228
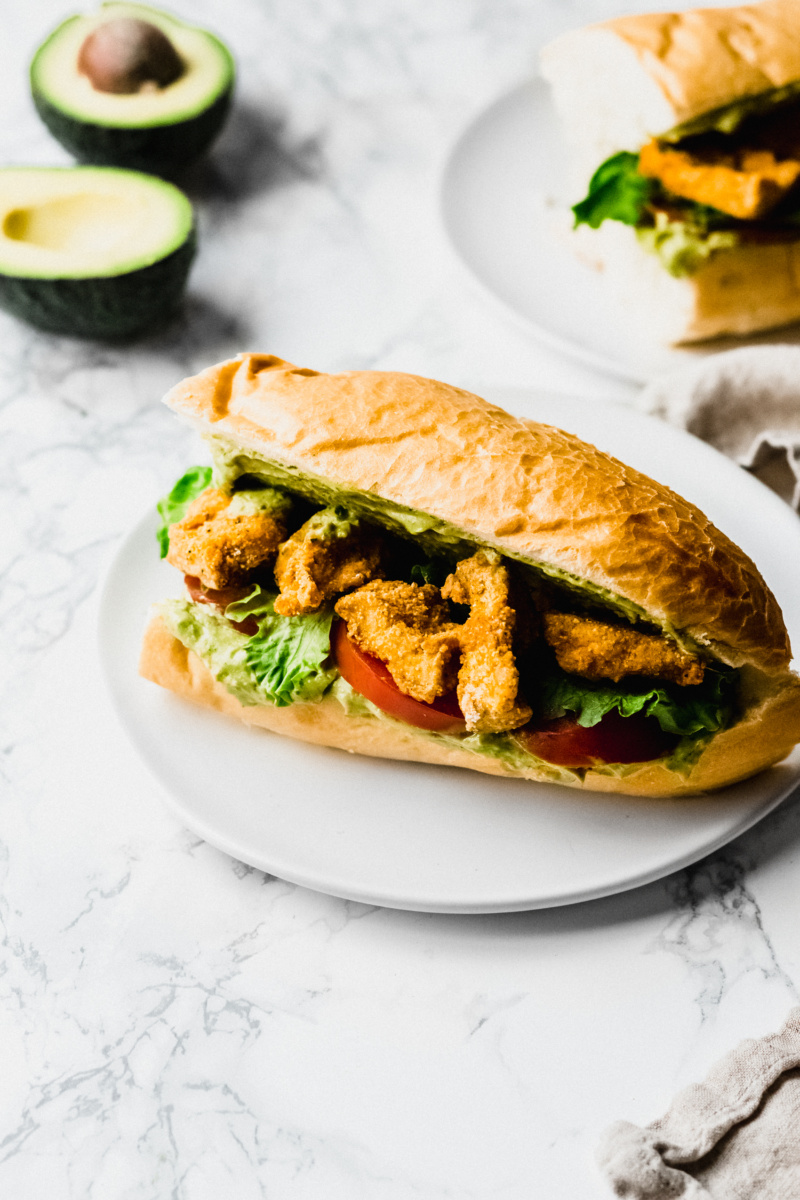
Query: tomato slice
x=371, y=678
x=615, y=739
x=220, y=598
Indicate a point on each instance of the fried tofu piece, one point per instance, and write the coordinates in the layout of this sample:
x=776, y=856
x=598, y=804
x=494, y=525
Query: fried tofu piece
x=596, y=650
x=407, y=627
x=488, y=681
x=745, y=186
x=322, y=560
x=223, y=538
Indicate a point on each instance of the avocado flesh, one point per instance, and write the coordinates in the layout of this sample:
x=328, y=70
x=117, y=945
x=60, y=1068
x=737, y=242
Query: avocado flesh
x=92, y=251
x=156, y=129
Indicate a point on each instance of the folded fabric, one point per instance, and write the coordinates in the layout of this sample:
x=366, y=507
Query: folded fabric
x=734, y=1137
x=744, y=402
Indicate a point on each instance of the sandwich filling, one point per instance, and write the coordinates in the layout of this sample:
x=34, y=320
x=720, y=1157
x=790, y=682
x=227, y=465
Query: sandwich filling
x=295, y=593
x=708, y=186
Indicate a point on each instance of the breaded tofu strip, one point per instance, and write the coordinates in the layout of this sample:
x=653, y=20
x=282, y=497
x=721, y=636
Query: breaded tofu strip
x=407, y=627
x=488, y=681
x=745, y=187
x=223, y=538
x=596, y=650
x=324, y=558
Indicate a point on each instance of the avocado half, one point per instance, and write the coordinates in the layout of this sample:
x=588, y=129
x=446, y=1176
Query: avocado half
x=93, y=252
x=158, y=129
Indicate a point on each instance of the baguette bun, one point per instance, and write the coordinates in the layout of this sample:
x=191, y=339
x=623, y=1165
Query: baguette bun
x=618, y=84
x=533, y=492
x=739, y=290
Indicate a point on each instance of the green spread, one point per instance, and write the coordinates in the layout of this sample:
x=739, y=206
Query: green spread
x=330, y=524
x=250, y=501
x=682, y=249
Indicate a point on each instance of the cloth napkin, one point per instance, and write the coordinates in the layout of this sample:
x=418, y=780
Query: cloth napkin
x=734, y=1137
x=746, y=403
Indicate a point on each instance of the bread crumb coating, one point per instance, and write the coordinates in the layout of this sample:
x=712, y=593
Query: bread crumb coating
x=597, y=650
x=311, y=569
x=407, y=627
x=744, y=185
x=221, y=547
x=488, y=681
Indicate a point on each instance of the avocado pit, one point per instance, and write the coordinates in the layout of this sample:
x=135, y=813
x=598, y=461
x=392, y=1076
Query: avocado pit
x=127, y=55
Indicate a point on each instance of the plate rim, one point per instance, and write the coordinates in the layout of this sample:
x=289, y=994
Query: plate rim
x=307, y=877
x=607, y=366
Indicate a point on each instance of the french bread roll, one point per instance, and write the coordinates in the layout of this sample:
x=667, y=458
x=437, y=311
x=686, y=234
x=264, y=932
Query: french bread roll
x=454, y=465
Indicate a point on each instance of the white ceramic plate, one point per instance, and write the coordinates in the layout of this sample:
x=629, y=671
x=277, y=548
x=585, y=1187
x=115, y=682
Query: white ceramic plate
x=504, y=195
x=431, y=838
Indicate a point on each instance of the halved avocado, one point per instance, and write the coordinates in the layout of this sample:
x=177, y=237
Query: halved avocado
x=92, y=251
x=155, y=128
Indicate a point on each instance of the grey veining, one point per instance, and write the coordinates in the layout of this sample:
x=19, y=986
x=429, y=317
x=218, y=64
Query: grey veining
x=174, y=1023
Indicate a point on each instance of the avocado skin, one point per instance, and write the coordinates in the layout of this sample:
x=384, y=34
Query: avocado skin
x=163, y=150
x=107, y=308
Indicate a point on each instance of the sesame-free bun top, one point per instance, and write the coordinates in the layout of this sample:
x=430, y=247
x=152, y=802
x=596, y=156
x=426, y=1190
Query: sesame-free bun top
x=707, y=58
x=531, y=490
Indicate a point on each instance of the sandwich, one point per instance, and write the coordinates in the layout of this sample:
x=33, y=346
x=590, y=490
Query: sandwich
x=389, y=565
x=685, y=131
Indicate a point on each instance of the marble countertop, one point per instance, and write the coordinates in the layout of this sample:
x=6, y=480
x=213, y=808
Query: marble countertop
x=174, y=1023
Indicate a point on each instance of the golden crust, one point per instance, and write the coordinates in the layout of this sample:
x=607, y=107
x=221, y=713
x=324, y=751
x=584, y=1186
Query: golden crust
x=597, y=650
x=405, y=625
x=309, y=571
x=746, y=186
x=488, y=679
x=707, y=58
x=765, y=736
x=220, y=549
x=528, y=489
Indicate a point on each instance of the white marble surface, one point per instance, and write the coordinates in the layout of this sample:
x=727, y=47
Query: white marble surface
x=173, y=1023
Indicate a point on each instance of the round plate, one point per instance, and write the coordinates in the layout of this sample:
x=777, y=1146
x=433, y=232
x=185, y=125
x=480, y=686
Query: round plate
x=432, y=838
x=504, y=206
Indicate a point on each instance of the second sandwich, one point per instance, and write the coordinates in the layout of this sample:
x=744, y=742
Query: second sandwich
x=689, y=125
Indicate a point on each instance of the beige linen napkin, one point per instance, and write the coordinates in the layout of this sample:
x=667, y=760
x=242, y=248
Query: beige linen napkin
x=734, y=1137
x=746, y=403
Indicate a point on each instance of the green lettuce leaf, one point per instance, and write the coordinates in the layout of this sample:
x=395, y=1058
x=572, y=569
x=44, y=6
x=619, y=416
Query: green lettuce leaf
x=173, y=506
x=432, y=570
x=285, y=661
x=289, y=657
x=687, y=712
x=617, y=192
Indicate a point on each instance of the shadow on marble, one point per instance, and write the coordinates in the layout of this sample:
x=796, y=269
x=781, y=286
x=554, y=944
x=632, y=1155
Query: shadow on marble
x=254, y=154
x=202, y=326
